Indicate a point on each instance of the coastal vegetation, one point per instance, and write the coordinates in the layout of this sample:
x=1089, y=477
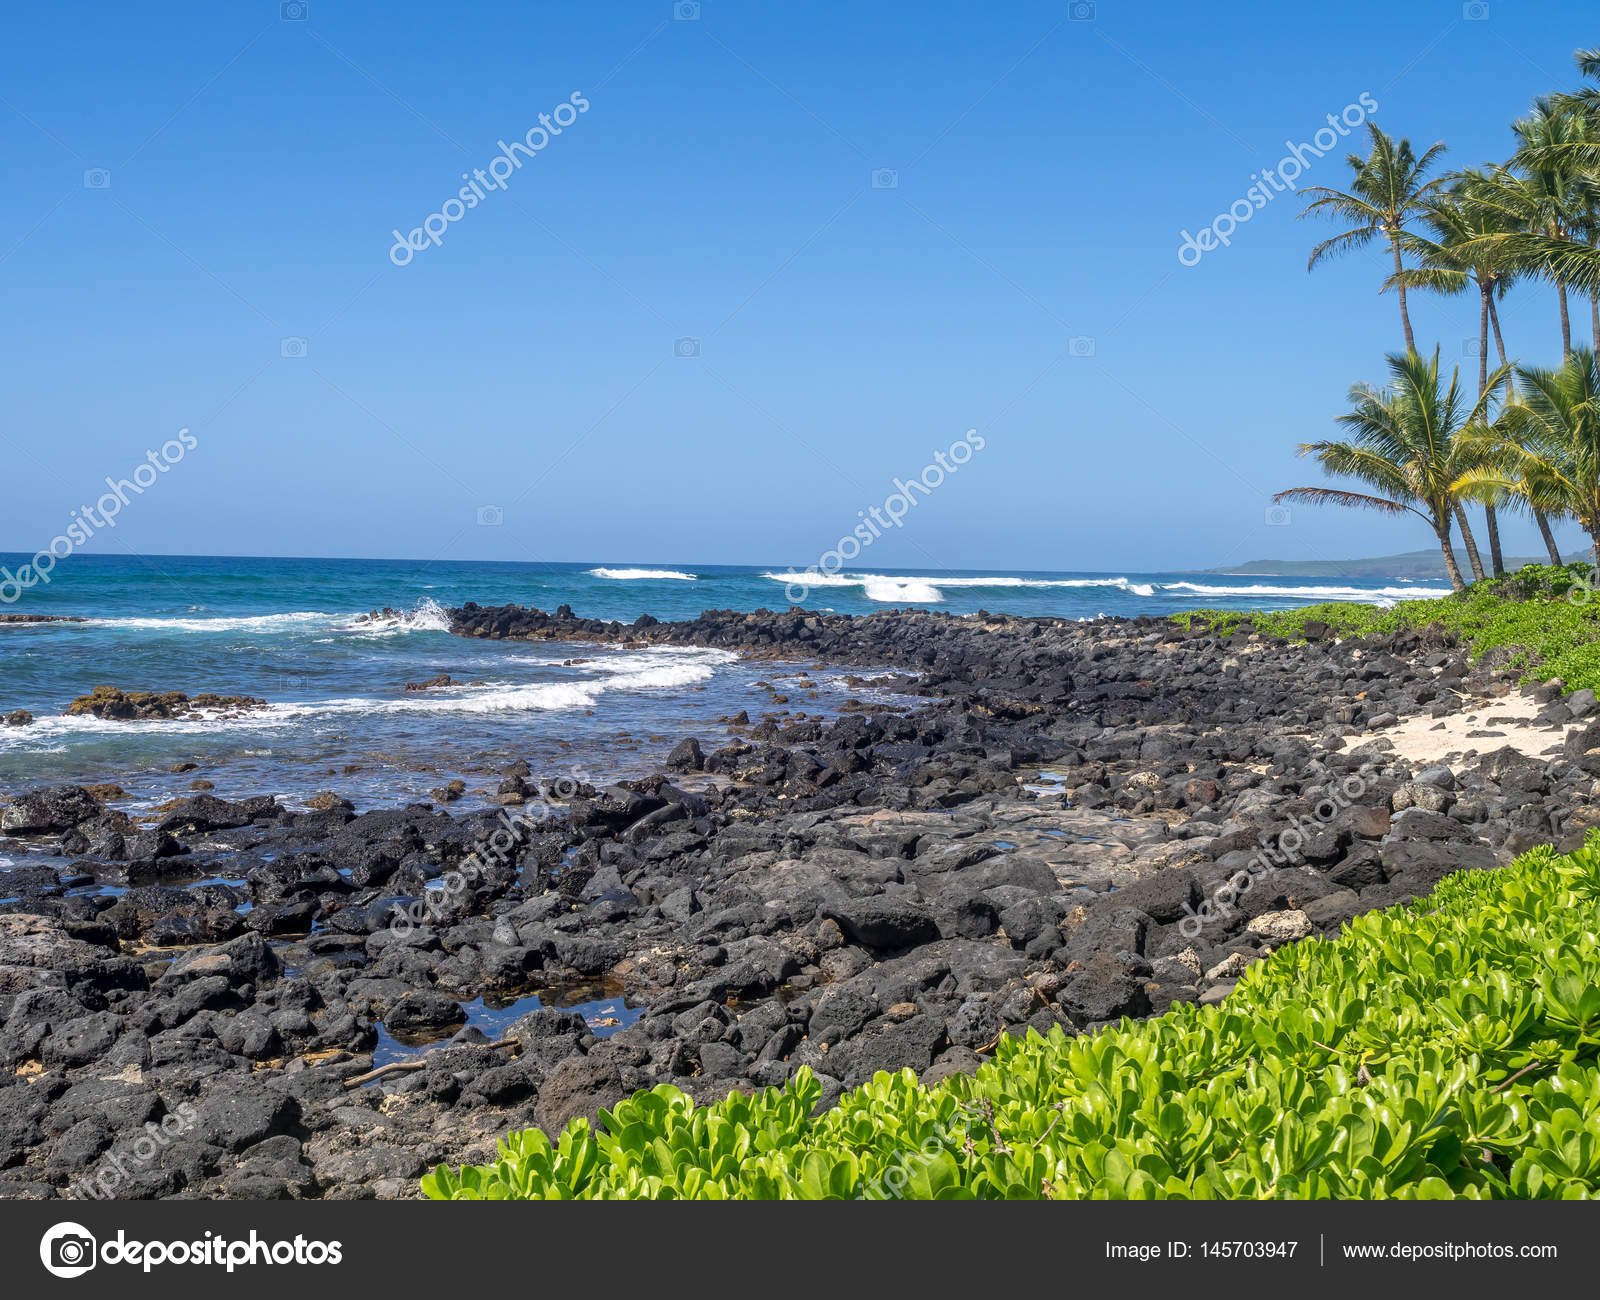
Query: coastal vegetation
x=1440, y=1049
x=1543, y=620
x=1531, y=441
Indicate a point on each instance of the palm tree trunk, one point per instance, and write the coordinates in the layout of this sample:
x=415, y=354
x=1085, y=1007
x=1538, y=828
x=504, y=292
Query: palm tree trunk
x=1594, y=319
x=1485, y=292
x=1499, y=342
x=1566, y=322
x=1471, y=543
x=1400, y=288
x=1450, y=565
x=1483, y=337
x=1539, y=515
x=1549, y=537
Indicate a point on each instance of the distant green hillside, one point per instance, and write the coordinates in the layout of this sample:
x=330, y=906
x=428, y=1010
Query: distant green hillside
x=1414, y=565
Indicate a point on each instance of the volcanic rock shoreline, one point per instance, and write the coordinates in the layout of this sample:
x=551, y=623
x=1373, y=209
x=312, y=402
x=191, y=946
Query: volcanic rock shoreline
x=1081, y=822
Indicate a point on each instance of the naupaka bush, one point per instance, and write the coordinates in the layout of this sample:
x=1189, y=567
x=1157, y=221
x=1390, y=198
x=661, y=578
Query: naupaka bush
x=1445, y=1048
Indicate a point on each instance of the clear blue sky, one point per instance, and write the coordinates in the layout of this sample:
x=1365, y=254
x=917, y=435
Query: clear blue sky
x=719, y=188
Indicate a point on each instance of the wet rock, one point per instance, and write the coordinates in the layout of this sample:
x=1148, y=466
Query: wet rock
x=424, y=1011
x=205, y=812
x=138, y=706
x=58, y=808
x=686, y=756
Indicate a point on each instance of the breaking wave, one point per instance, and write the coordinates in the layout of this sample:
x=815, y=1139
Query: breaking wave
x=1371, y=594
x=887, y=587
x=258, y=623
x=427, y=615
x=641, y=575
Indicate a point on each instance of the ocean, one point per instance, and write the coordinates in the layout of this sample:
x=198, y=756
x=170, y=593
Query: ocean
x=340, y=719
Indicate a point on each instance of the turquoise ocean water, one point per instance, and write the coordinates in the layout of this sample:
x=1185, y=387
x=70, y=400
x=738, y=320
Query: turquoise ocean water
x=285, y=630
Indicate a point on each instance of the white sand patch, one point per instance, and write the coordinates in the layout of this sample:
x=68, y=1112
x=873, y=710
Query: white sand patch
x=1425, y=741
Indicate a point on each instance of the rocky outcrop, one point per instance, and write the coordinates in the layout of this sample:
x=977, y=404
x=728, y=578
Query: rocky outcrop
x=140, y=706
x=1082, y=822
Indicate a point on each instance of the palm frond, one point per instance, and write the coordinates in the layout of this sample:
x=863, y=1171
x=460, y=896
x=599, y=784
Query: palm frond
x=1335, y=497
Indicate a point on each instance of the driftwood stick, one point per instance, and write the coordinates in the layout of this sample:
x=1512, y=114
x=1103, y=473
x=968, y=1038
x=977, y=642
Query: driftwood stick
x=404, y=1067
x=1527, y=1069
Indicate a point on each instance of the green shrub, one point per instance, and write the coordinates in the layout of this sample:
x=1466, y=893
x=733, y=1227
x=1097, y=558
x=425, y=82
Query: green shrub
x=1542, y=581
x=1551, y=630
x=1446, y=1048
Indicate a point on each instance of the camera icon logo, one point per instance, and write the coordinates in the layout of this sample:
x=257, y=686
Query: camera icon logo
x=686, y=11
x=1081, y=346
x=1475, y=11
x=686, y=348
x=491, y=516
x=885, y=178
x=1279, y=516
x=293, y=11
x=293, y=348
x=1081, y=11
x=67, y=1250
x=1470, y=348
x=97, y=178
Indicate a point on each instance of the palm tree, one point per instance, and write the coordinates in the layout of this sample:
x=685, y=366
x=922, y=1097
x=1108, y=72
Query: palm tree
x=1407, y=443
x=1548, y=202
x=1548, y=197
x=1575, y=152
x=1386, y=192
x=1547, y=445
x=1557, y=191
x=1453, y=260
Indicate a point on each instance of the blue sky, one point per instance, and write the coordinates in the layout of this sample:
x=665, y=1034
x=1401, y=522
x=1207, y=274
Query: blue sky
x=246, y=172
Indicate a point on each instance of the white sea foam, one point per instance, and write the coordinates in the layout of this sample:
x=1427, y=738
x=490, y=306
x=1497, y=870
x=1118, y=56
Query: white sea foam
x=259, y=623
x=644, y=671
x=665, y=658
x=654, y=669
x=886, y=587
x=1372, y=594
x=427, y=615
x=876, y=586
x=639, y=575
